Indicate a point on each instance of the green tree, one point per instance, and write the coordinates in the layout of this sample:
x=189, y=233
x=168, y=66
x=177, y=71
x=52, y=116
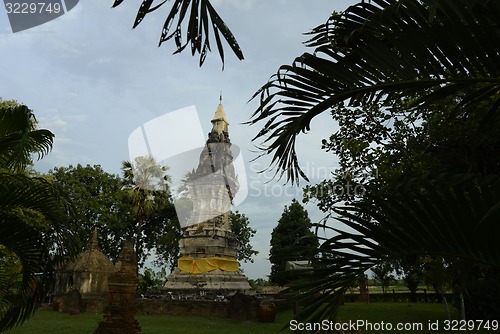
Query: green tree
x=368, y=54
x=412, y=270
x=20, y=137
x=32, y=241
x=152, y=281
x=381, y=58
x=99, y=202
x=147, y=192
x=382, y=274
x=102, y=202
x=167, y=245
x=291, y=240
x=240, y=225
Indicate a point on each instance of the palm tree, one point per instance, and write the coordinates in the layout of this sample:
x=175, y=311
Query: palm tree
x=19, y=138
x=443, y=218
x=146, y=186
x=383, y=51
x=30, y=213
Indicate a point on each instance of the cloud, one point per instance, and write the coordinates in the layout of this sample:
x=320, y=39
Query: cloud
x=92, y=80
x=240, y=4
x=55, y=123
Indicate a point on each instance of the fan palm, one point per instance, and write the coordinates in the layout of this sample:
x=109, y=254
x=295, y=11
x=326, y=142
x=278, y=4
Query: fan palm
x=23, y=199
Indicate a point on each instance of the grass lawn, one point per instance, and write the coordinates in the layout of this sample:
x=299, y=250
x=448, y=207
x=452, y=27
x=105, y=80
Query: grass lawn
x=397, y=288
x=393, y=313
x=50, y=322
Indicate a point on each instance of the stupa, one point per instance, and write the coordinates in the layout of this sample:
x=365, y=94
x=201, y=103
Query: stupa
x=88, y=273
x=208, y=246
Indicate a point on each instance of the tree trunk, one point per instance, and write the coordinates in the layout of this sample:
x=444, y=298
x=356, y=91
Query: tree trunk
x=138, y=247
x=445, y=302
x=462, y=306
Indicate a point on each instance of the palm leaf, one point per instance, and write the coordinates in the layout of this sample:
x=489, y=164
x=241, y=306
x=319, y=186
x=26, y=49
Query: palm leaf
x=448, y=217
x=381, y=51
x=19, y=138
x=200, y=15
x=31, y=244
x=26, y=243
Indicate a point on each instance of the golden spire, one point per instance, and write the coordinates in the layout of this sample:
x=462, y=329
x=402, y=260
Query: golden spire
x=220, y=123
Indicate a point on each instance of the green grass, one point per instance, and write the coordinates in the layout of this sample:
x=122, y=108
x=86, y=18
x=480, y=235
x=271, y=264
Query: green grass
x=393, y=313
x=397, y=288
x=50, y=322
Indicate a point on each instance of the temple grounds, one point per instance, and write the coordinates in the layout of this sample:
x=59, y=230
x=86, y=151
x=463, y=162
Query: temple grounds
x=49, y=322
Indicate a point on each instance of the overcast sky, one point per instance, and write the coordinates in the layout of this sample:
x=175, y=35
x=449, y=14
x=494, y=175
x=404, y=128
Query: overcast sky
x=92, y=80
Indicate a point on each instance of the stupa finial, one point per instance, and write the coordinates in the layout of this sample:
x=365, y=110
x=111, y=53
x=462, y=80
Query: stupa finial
x=94, y=243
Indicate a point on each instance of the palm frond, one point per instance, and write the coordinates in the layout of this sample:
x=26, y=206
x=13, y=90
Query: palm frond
x=20, y=191
x=26, y=242
x=200, y=16
x=453, y=217
x=31, y=244
x=19, y=138
x=380, y=51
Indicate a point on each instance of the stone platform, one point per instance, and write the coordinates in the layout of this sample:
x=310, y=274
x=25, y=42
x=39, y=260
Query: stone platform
x=216, y=281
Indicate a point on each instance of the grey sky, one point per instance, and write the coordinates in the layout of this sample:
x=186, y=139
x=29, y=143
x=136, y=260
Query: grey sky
x=92, y=80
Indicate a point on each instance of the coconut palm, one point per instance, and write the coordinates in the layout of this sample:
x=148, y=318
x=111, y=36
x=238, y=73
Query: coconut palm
x=32, y=243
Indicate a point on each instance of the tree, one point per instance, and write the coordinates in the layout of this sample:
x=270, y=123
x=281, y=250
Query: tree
x=147, y=193
x=167, y=245
x=291, y=240
x=202, y=15
x=20, y=137
x=99, y=202
x=32, y=241
x=368, y=54
x=382, y=274
x=240, y=225
x=152, y=281
x=381, y=56
x=412, y=269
